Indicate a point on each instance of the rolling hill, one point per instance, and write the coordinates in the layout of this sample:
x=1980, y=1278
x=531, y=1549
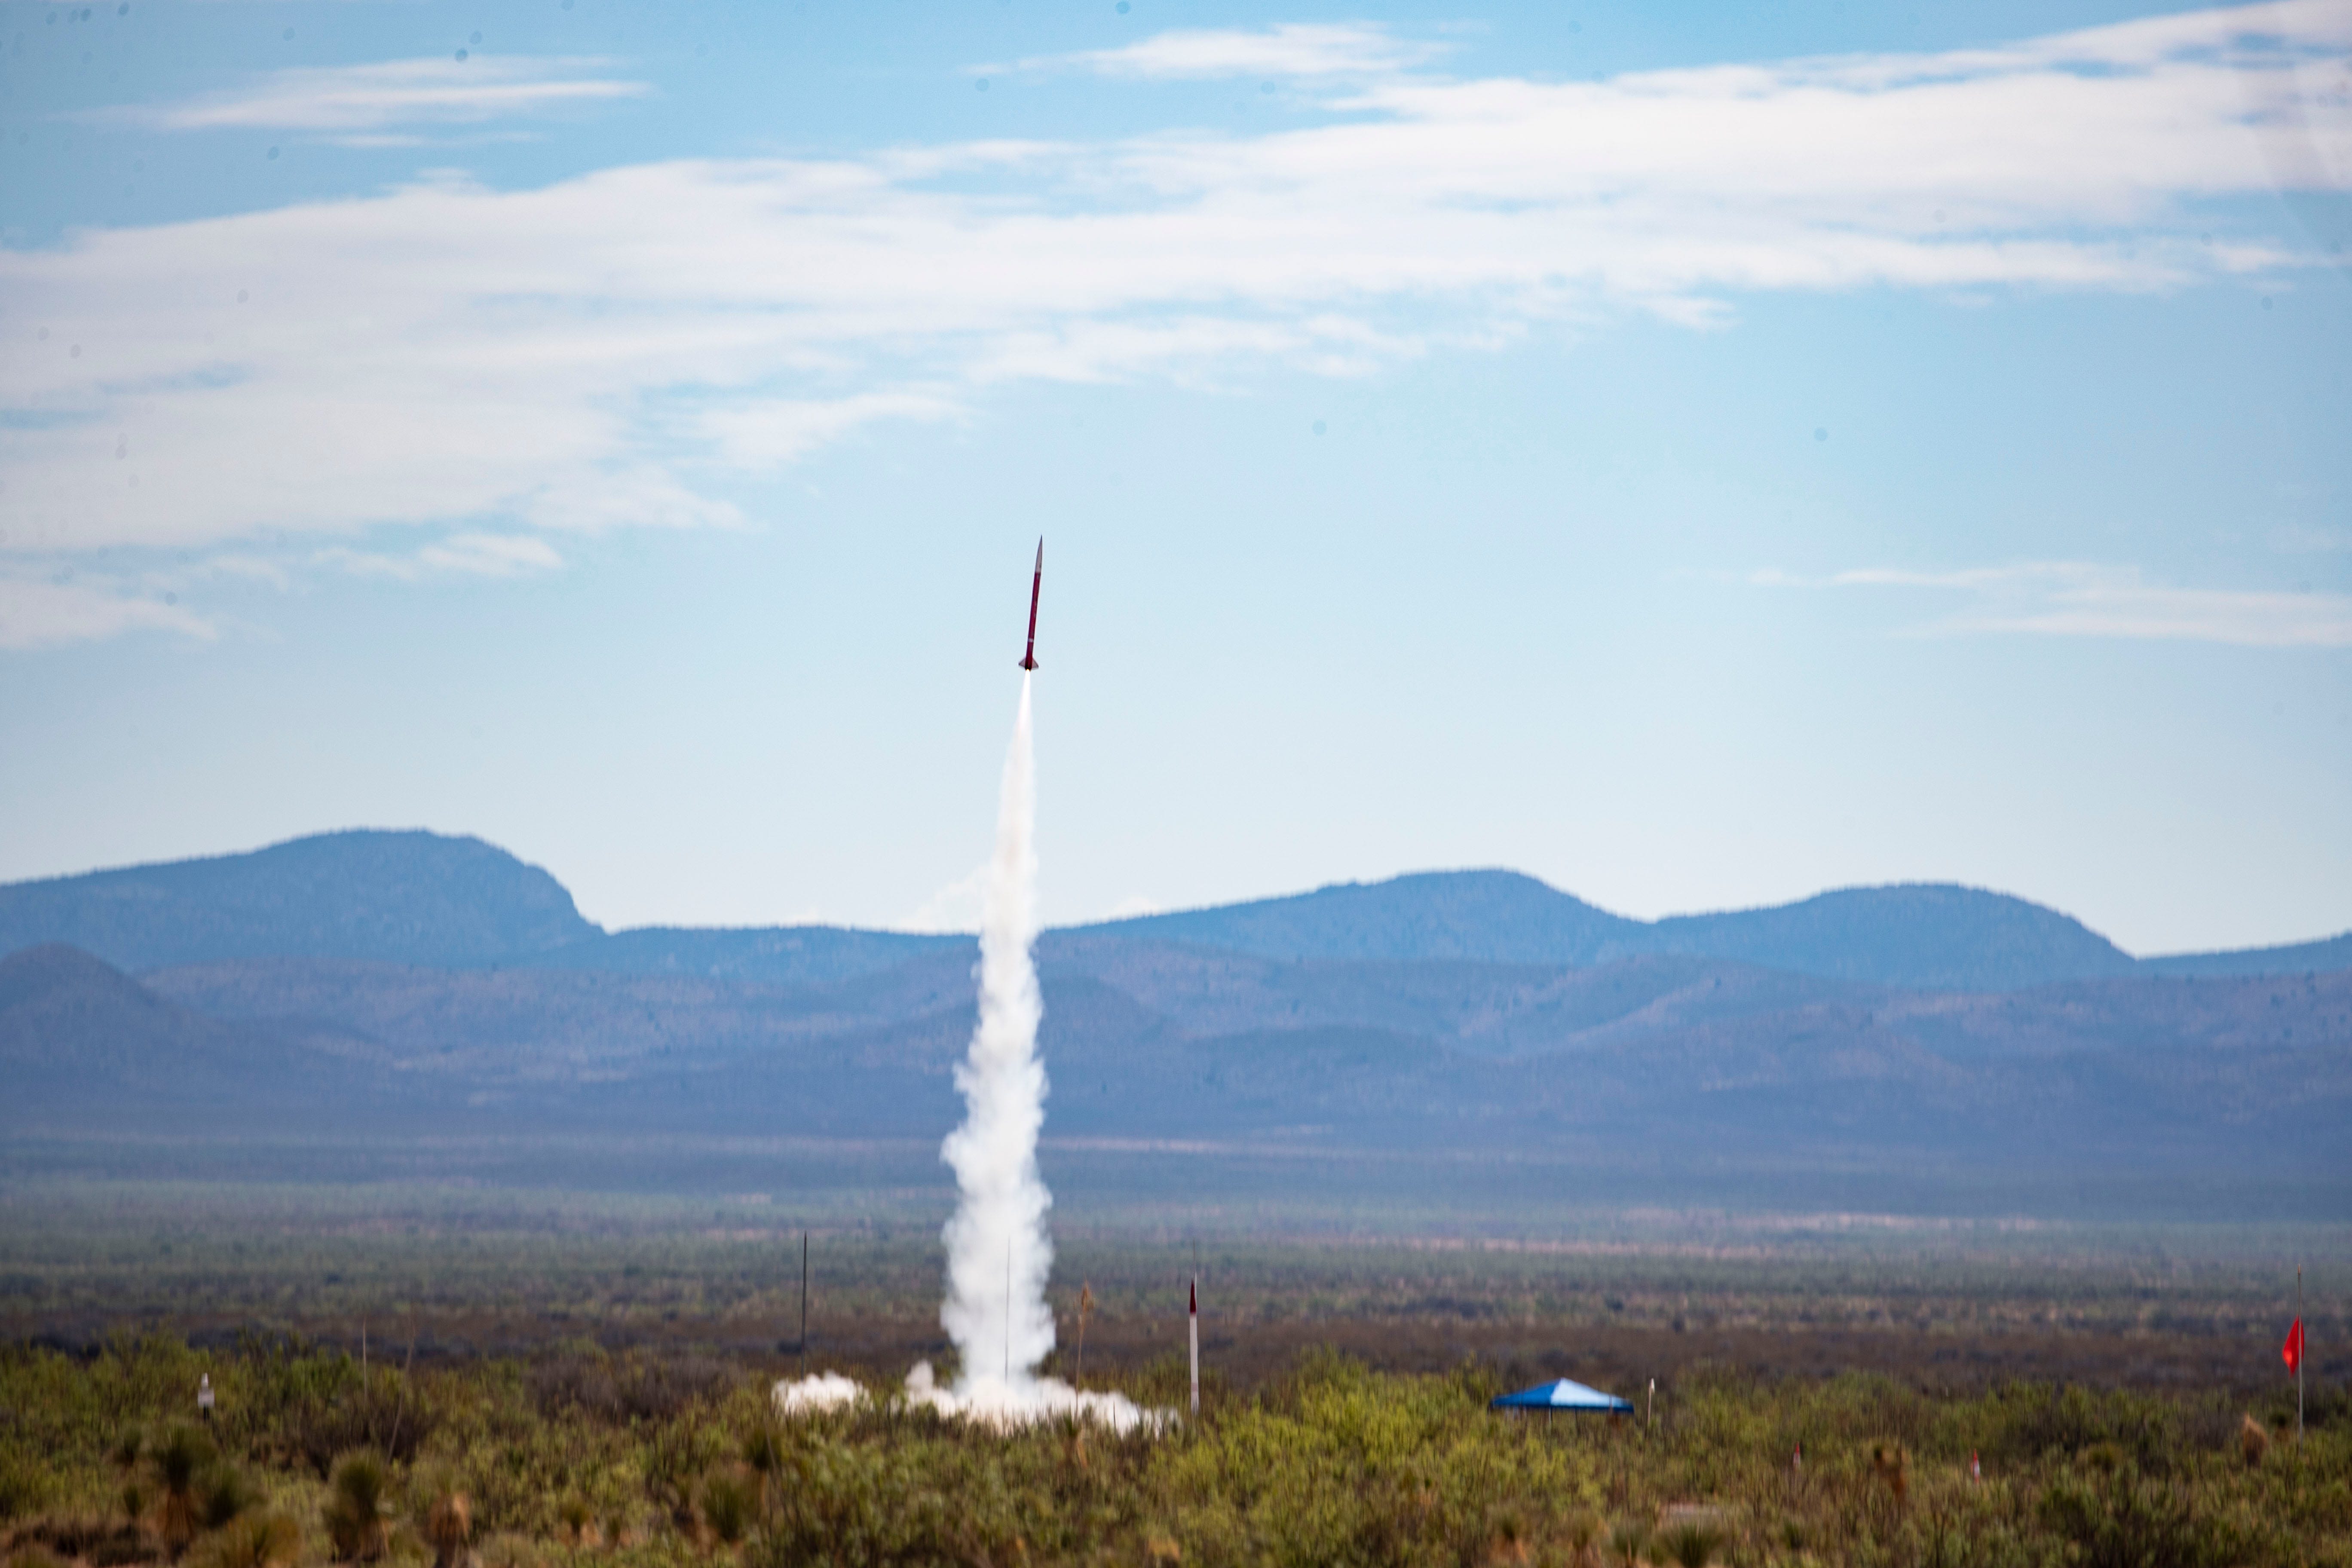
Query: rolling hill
x=399, y=898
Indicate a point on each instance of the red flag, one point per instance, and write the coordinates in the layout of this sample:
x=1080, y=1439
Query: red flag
x=2292, y=1351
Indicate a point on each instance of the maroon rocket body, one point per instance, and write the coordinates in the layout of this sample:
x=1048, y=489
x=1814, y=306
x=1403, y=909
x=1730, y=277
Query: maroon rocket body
x=1036, y=581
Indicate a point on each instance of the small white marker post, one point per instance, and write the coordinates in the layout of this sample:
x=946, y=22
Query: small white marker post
x=205, y=1396
x=1193, y=1318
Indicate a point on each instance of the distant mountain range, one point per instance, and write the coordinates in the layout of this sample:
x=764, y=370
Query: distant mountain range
x=393, y=982
x=452, y=902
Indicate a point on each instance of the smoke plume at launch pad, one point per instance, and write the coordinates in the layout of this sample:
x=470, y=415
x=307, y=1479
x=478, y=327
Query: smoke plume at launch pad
x=999, y=1254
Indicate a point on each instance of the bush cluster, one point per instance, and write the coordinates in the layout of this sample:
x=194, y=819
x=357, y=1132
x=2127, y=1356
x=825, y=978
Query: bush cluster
x=590, y=1460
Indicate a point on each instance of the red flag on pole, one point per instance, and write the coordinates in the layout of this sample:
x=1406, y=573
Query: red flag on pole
x=2292, y=1351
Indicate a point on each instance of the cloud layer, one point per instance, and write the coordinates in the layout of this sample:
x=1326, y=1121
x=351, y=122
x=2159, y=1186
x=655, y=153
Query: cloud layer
x=618, y=349
x=2072, y=598
x=369, y=98
x=1291, y=50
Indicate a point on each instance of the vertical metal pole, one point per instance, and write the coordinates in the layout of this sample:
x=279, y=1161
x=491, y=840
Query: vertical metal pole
x=804, y=1303
x=1193, y=1318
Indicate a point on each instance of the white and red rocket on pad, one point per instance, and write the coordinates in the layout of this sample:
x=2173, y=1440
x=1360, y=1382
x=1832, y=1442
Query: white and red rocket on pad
x=1036, y=581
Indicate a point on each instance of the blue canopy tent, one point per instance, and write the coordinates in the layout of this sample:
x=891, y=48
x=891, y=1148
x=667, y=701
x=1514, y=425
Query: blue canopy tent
x=1562, y=1395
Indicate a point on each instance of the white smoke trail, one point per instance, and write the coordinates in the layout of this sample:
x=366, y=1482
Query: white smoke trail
x=998, y=1252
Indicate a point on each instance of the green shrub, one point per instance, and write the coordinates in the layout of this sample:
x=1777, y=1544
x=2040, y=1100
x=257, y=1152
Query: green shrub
x=1333, y=1463
x=730, y=1503
x=509, y=1551
x=447, y=1513
x=2112, y=1517
x=255, y=1540
x=23, y=1483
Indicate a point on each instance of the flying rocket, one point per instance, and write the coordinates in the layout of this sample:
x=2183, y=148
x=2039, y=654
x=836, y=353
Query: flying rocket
x=1038, y=581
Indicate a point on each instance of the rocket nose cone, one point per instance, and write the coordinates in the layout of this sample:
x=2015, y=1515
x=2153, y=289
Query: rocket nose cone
x=1041, y=553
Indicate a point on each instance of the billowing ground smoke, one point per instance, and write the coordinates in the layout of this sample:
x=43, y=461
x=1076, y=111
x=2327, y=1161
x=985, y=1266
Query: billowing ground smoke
x=998, y=1252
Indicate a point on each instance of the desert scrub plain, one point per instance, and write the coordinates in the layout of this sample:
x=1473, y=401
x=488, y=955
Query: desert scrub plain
x=1609, y=1297
x=583, y=1458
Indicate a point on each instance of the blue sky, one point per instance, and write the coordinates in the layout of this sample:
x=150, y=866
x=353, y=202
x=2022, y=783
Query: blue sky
x=1696, y=456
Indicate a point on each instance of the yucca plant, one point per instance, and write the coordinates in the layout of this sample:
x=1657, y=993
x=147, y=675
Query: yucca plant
x=255, y=1541
x=359, y=1508
x=223, y=1494
x=730, y=1501
x=1691, y=1545
x=1627, y=1542
x=619, y=1526
x=763, y=1451
x=180, y=1462
x=130, y=1447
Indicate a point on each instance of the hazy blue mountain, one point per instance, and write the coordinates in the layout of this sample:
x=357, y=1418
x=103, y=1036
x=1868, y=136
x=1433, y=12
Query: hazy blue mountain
x=2301, y=958
x=422, y=899
x=392, y=897
x=66, y=1014
x=80, y=1037
x=771, y=955
x=408, y=985
x=1486, y=917
x=1919, y=935
x=1913, y=934
x=2124, y=1078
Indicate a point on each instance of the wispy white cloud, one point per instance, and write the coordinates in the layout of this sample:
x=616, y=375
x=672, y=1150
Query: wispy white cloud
x=1133, y=907
x=768, y=433
x=1295, y=49
x=464, y=554
x=2080, y=599
x=41, y=612
x=364, y=100
x=621, y=348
